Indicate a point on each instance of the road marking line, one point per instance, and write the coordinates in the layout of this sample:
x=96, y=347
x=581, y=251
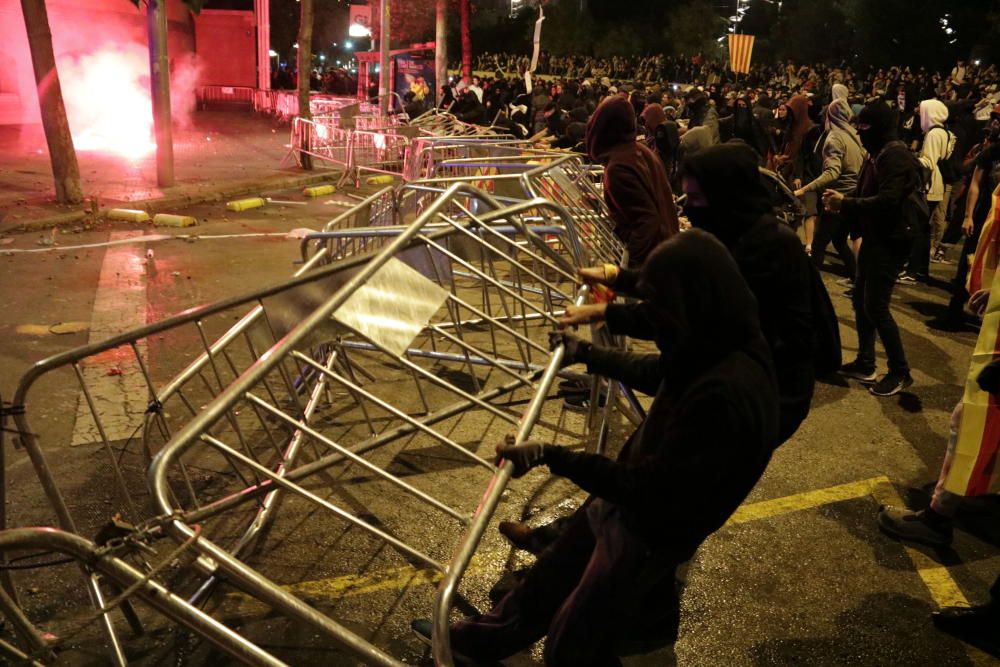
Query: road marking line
x=115, y=378
x=941, y=586
x=806, y=500
x=939, y=582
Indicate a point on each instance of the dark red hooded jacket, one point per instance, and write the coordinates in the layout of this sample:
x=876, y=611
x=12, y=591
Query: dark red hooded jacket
x=635, y=181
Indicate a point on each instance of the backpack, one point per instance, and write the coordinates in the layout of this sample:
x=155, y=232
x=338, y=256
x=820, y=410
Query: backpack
x=827, y=352
x=951, y=165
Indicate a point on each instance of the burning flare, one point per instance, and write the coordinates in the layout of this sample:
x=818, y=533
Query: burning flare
x=107, y=100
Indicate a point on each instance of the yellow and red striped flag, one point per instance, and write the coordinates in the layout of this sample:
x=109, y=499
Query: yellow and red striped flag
x=740, y=50
x=974, y=466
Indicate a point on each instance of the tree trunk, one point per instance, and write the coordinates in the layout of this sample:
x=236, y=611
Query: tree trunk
x=466, y=39
x=65, y=170
x=441, y=47
x=305, y=71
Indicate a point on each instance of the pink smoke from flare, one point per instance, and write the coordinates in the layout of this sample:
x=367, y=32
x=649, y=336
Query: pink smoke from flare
x=108, y=101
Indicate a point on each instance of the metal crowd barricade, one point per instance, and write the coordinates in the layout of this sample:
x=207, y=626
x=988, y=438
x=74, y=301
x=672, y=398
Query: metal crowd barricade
x=348, y=364
x=323, y=140
x=380, y=209
x=511, y=172
x=378, y=152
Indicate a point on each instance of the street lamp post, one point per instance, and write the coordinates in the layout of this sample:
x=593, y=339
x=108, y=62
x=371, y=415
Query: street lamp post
x=159, y=83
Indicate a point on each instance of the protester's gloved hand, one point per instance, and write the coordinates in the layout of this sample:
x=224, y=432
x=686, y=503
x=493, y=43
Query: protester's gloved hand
x=989, y=378
x=577, y=349
x=524, y=456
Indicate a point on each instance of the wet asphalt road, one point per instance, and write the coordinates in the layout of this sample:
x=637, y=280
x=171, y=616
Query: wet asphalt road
x=810, y=583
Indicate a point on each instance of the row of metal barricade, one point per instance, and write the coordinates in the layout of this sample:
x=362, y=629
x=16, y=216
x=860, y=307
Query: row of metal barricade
x=360, y=141
x=341, y=420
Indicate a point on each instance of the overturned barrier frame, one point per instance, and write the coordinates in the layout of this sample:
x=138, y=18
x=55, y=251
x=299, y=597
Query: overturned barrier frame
x=170, y=518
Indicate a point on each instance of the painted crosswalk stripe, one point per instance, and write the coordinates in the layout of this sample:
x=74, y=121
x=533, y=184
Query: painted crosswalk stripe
x=115, y=378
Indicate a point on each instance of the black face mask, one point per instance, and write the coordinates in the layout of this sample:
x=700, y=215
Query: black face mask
x=700, y=217
x=870, y=140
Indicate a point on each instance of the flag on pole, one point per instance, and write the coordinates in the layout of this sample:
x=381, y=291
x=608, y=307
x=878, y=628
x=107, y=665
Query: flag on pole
x=974, y=468
x=740, y=49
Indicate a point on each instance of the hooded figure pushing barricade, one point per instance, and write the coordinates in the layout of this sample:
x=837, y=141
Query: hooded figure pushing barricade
x=606, y=587
x=636, y=187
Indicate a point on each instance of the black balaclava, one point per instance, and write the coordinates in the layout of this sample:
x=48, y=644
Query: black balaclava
x=880, y=123
x=699, y=302
x=731, y=182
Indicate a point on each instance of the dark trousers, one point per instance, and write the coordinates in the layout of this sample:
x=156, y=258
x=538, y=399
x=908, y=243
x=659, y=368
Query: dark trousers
x=959, y=295
x=879, y=263
x=833, y=227
x=920, y=253
x=597, y=592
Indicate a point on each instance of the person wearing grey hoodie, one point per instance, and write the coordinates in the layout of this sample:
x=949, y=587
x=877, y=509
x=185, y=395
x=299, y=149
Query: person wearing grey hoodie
x=843, y=156
x=938, y=145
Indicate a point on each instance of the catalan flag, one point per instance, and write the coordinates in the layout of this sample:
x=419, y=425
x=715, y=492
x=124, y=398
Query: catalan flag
x=974, y=466
x=740, y=49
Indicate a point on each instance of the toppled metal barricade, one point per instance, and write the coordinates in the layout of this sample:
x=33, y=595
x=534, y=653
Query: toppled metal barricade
x=300, y=414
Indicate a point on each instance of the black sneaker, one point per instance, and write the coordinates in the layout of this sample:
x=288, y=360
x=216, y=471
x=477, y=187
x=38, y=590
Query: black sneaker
x=891, y=384
x=905, y=278
x=858, y=371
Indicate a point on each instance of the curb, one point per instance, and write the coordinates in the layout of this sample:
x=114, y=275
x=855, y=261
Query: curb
x=162, y=204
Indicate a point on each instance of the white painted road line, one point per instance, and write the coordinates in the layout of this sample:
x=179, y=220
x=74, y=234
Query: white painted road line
x=115, y=377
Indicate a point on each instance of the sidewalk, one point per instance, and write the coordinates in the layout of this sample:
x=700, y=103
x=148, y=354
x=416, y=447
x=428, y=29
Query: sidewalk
x=223, y=154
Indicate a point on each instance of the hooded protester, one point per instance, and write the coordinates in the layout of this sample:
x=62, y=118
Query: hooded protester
x=636, y=187
x=843, y=156
x=661, y=135
x=839, y=93
x=939, y=144
x=727, y=197
x=978, y=199
x=747, y=128
x=606, y=587
x=884, y=209
x=796, y=139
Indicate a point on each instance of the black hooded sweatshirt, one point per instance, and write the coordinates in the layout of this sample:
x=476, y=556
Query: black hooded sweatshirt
x=636, y=187
x=888, y=177
x=709, y=432
x=771, y=260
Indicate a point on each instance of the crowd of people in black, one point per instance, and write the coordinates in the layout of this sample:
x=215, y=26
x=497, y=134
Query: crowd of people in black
x=883, y=165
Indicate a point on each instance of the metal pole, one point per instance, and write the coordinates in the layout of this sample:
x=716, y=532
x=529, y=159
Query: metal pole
x=263, y=11
x=159, y=84
x=383, y=76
